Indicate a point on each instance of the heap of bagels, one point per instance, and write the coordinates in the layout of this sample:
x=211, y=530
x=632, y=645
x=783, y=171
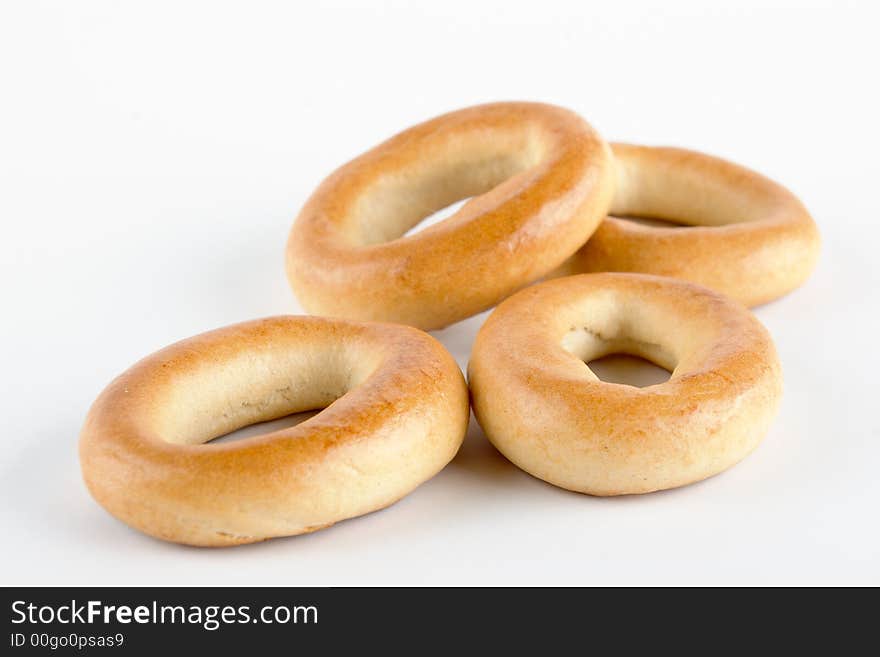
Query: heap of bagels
x=565, y=236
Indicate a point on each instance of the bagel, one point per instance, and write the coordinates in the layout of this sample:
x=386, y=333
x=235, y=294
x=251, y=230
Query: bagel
x=395, y=413
x=746, y=236
x=546, y=411
x=541, y=180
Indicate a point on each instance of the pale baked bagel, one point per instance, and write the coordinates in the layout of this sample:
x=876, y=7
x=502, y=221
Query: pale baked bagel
x=747, y=236
x=396, y=413
x=541, y=180
x=545, y=410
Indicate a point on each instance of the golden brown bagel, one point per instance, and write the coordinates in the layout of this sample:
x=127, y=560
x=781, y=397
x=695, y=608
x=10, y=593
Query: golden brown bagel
x=545, y=410
x=396, y=413
x=747, y=236
x=541, y=180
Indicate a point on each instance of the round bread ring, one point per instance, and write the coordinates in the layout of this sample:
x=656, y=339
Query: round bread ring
x=748, y=237
x=541, y=180
x=546, y=411
x=395, y=413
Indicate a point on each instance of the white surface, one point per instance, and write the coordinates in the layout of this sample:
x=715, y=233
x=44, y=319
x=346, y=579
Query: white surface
x=152, y=158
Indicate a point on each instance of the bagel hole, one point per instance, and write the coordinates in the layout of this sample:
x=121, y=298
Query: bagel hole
x=259, y=428
x=628, y=370
x=437, y=185
x=653, y=223
x=438, y=216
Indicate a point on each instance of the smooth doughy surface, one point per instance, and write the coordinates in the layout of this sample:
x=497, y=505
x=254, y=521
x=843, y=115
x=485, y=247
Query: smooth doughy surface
x=745, y=235
x=396, y=413
x=540, y=179
x=544, y=409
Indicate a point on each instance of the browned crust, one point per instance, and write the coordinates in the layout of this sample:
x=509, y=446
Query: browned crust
x=771, y=250
x=543, y=408
x=400, y=422
x=500, y=241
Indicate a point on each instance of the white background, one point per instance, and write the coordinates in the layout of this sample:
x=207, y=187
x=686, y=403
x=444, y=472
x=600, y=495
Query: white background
x=153, y=157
